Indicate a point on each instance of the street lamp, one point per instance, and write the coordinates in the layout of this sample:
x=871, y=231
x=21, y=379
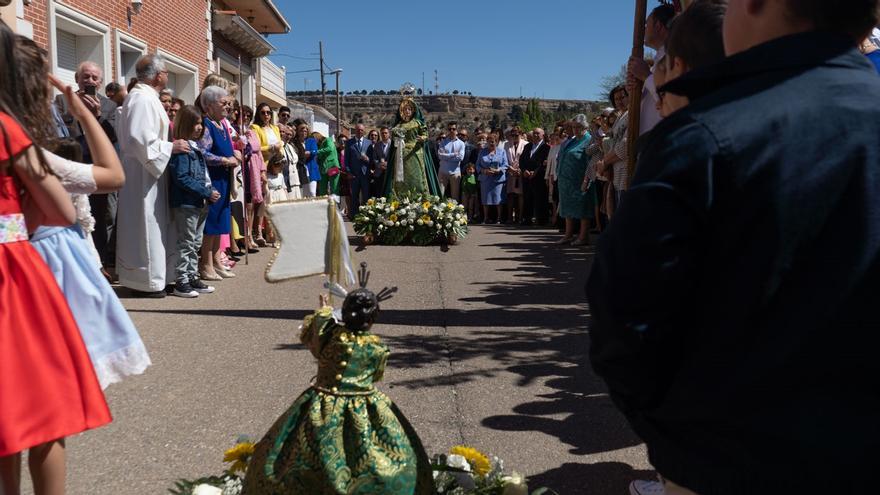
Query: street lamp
x=338, y=97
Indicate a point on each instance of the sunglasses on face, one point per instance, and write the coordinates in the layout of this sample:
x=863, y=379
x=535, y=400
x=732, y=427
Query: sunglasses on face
x=265, y=112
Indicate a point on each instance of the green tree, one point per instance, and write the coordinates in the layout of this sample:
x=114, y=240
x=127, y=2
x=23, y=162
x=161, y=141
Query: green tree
x=610, y=82
x=532, y=117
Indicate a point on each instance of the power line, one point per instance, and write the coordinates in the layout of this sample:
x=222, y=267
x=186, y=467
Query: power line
x=301, y=71
x=292, y=56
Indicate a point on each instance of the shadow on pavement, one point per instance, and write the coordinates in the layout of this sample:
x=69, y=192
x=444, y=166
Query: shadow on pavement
x=603, y=478
x=536, y=329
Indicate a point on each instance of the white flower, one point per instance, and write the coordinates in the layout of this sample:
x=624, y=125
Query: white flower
x=515, y=484
x=456, y=223
x=233, y=486
x=439, y=226
x=397, y=224
x=403, y=222
x=448, y=225
x=205, y=489
x=457, y=216
x=430, y=223
x=412, y=228
x=420, y=222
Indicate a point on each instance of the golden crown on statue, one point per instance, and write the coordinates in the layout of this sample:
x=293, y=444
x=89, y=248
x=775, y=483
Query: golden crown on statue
x=408, y=89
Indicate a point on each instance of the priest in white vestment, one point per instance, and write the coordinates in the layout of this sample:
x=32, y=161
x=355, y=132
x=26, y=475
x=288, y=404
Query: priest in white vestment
x=143, y=217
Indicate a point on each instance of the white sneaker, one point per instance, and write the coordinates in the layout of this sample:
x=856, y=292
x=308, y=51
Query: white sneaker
x=642, y=487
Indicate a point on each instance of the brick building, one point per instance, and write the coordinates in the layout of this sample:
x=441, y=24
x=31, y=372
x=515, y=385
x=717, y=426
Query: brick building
x=194, y=36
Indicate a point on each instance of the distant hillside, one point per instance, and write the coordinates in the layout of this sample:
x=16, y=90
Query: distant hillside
x=469, y=111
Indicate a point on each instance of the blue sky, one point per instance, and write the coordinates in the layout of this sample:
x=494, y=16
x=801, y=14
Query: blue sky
x=564, y=47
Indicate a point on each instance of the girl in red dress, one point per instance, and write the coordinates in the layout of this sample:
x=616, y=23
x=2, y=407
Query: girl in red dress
x=48, y=387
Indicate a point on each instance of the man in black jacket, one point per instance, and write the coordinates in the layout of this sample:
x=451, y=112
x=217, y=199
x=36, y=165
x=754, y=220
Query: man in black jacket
x=533, y=164
x=380, y=158
x=734, y=295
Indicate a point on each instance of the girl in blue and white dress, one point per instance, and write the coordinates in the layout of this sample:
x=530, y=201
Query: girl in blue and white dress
x=113, y=343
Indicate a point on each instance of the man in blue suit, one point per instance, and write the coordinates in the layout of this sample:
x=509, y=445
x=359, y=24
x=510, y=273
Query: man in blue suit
x=358, y=165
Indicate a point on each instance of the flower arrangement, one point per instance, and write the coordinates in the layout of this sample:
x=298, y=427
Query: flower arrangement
x=418, y=219
x=463, y=471
x=230, y=482
x=467, y=471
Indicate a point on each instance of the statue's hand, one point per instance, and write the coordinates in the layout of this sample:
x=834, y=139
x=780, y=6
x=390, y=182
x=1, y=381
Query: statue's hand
x=323, y=300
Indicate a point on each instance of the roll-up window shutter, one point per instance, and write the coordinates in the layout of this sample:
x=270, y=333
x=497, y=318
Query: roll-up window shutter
x=66, y=50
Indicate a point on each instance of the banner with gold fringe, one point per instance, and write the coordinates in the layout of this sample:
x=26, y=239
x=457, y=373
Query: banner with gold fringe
x=313, y=241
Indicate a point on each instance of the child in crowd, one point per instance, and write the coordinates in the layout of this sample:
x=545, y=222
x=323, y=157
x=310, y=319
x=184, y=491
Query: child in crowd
x=469, y=189
x=277, y=193
x=277, y=189
x=190, y=192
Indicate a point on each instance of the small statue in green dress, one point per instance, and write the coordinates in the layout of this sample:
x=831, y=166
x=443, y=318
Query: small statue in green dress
x=342, y=436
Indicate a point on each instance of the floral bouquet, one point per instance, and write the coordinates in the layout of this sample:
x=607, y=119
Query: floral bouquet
x=463, y=471
x=230, y=482
x=467, y=471
x=420, y=219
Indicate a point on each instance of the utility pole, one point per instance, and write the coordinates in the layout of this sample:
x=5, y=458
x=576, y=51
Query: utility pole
x=338, y=97
x=321, y=70
x=436, y=82
x=423, y=83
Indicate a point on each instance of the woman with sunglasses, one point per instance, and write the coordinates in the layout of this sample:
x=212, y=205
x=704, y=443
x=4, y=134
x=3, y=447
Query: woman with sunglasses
x=270, y=145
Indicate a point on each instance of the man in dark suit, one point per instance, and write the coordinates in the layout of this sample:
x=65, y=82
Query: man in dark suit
x=358, y=165
x=533, y=164
x=379, y=159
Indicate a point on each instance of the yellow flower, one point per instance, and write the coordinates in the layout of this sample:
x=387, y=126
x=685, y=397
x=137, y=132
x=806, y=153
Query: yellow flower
x=451, y=206
x=394, y=205
x=426, y=218
x=371, y=202
x=392, y=218
x=426, y=205
x=478, y=460
x=239, y=456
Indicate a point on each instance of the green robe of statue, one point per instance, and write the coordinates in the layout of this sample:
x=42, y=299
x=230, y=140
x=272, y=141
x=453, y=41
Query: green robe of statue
x=419, y=173
x=342, y=436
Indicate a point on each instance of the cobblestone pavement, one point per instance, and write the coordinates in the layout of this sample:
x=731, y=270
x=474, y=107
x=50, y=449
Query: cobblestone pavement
x=489, y=348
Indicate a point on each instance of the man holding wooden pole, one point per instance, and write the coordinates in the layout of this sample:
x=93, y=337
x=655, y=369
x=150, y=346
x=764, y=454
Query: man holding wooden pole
x=643, y=115
x=733, y=297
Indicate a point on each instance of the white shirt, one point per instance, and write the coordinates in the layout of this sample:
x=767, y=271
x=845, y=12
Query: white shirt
x=650, y=116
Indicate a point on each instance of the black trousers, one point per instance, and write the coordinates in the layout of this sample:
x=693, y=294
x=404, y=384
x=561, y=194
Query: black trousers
x=104, y=210
x=535, y=196
x=377, y=186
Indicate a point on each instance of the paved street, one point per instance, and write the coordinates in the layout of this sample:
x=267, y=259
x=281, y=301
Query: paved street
x=488, y=349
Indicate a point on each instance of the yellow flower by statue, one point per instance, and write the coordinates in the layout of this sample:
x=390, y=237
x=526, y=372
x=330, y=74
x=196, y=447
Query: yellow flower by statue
x=239, y=456
x=478, y=460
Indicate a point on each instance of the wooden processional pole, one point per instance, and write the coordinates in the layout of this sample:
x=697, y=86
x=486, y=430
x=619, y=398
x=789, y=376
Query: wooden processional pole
x=635, y=96
x=244, y=173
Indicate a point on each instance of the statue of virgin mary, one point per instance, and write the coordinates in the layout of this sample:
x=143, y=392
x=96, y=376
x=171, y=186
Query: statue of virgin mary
x=412, y=169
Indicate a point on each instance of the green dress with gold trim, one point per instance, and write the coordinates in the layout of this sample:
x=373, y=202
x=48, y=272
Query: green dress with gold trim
x=419, y=172
x=342, y=436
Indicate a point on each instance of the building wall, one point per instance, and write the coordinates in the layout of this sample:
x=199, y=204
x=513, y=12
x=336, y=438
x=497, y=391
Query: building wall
x=178, y=27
